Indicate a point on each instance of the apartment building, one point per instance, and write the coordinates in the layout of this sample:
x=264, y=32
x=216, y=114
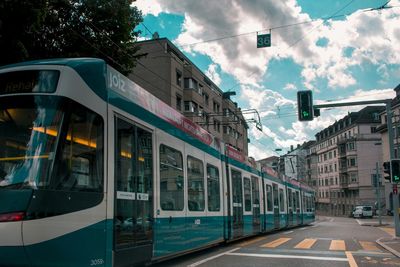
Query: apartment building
x=385, y=156
x=168, y=74
x=347, y=153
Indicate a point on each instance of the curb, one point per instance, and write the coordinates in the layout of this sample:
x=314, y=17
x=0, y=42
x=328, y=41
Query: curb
x=394, y=252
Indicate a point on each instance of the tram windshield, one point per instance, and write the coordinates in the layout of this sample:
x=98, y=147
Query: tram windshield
x=47, y=142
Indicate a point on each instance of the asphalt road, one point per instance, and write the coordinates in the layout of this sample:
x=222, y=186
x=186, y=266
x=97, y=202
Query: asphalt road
x=331, y=241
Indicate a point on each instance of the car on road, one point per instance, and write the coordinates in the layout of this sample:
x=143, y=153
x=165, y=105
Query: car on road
x=362, y=212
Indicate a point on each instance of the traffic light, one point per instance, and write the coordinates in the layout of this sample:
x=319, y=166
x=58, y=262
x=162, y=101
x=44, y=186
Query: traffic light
x=386, y=169
x=395, y=170
x=317, y=112
x=305, y=105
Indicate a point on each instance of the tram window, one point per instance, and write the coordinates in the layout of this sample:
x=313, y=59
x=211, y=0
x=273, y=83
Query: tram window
x=80, y=167
x=247, y=194
x=297, y=198
x=269, y=198
x=294, y=200
x=171, y=179
x=256, y=191
x=196, y=198
x=213, y=190
x=276, y=196
x=290, y=198
x=281, y=200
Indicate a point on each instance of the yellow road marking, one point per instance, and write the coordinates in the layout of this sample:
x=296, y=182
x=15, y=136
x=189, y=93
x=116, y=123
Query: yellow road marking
x=306, y=243
x=350, y=257
x=337, y=245
x=388, y=230
x=276, y=242
x=366, y=245
x=251, y=241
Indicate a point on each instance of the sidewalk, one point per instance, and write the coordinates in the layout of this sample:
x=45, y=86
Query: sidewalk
x=392, y=243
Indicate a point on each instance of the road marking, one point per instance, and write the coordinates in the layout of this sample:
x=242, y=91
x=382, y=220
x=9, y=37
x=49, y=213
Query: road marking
x=304, y=228
x=366, y=245
x=351, y=260
x=288, y=232
x=388, y=230
x=252, y=241
x=306, y=243
x=287, y=256
x=337, y=245
x=211, y=258
x=276, y=242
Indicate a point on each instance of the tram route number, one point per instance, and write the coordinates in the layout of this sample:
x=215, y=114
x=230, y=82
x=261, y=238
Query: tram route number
x=96, y=262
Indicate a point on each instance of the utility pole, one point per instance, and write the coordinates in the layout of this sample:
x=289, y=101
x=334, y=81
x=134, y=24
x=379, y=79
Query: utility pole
x=395, y=195
x=378, y=192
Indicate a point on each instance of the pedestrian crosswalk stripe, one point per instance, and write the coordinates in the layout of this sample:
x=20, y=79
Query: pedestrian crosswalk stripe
x=388, y=230
x=337, y=245
x=276, y=243
x=251, y=241
x=306, y=243
x=366, y=245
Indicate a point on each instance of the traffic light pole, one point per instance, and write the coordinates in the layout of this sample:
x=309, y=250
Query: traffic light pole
x=395, y=196
x=378, y=193
x=388, y=103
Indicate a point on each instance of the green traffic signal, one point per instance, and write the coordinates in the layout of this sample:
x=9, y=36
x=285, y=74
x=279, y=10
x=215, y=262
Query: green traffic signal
x=395, y=170
x=305, y=105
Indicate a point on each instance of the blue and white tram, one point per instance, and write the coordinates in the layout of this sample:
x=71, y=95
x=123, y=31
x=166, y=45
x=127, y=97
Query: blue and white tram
x=95, y=171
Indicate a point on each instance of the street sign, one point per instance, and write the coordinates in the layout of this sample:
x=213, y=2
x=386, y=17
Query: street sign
x=263, y=40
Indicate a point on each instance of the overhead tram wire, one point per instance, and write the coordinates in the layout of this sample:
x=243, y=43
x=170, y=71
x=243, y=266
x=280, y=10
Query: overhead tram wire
x=315, y=27
x=154, y=86
x=296, y=42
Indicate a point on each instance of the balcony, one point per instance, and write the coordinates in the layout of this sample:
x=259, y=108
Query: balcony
x=343, y=181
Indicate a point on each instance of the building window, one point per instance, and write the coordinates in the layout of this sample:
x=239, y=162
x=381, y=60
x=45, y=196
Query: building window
x=178, y=78
x=373, y=129
x=353, y=177
x=191, y=83
x=206, y=97
x=351, y=162
x=178, y=102
x=190, y=106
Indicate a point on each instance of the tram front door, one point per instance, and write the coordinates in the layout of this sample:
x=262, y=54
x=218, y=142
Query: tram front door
x=133, y=214
x=237, y=204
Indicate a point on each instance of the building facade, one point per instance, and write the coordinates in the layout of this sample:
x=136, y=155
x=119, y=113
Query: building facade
x=168, y=74
x=347, y=153
x=385, y=156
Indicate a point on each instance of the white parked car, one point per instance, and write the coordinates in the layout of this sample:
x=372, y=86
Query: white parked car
x=362, y=212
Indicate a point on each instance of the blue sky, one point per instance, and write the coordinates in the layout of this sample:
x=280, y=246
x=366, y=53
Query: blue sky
x=352, y=56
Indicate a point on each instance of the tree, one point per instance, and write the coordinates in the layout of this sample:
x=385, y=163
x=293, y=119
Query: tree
x=70, y=28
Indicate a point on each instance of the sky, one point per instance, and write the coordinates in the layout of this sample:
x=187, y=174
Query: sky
x=342, y=50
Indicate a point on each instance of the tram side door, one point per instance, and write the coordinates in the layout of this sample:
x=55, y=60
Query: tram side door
x=276, y=206
x=237, y=204
x=133, y=205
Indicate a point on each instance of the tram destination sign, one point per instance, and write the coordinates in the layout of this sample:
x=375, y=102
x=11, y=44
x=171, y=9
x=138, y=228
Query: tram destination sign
x=29, y=81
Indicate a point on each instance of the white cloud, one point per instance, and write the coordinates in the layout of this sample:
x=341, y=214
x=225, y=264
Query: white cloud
x=148, y=7
x=290, y=86
x=259, y=152
x=373, y=36
x=212, y=73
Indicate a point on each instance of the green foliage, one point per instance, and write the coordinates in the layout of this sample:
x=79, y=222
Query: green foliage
x=69, y=28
